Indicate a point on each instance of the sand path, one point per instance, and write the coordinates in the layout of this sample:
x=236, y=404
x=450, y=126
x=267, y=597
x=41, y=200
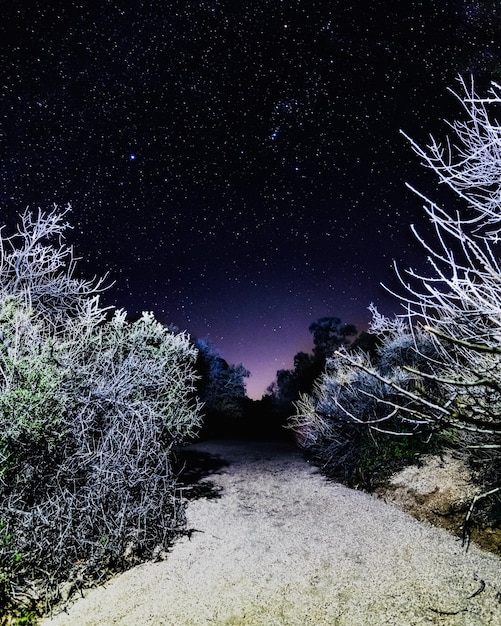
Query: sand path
x=284, y=547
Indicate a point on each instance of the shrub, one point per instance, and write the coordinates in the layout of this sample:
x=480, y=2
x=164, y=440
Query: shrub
x=444, y=370
x=90, y=406
x=345, y=424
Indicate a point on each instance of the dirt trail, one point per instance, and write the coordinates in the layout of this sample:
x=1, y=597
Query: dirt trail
x=285, y=547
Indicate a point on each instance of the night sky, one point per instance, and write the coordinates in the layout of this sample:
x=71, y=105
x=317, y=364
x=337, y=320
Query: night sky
x=236, y=167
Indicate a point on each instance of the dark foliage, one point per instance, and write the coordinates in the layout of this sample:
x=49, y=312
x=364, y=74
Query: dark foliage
x=329, y=334
x=221, y=388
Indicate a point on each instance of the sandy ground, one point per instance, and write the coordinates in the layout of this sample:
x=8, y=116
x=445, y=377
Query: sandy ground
x=283, y=546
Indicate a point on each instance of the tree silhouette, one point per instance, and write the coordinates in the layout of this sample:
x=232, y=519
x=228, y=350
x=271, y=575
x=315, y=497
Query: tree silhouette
x=329, y=334
x=221, y=388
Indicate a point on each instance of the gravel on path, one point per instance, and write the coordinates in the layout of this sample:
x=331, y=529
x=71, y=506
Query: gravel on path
x=283, y=546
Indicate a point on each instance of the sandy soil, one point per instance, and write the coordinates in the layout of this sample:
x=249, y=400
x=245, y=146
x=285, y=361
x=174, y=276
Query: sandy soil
x=282, y=546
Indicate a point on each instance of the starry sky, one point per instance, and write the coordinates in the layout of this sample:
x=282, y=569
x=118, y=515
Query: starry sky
x=236, y=167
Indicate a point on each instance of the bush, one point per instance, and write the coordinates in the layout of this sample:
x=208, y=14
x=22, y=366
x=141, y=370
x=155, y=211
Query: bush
x=439, y=369
x=345, y=425
x=90, y=406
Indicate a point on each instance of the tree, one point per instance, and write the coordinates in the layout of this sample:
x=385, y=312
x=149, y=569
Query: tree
x=329, y=333
x=455, y=311
x=459, y=304
x=221, y=388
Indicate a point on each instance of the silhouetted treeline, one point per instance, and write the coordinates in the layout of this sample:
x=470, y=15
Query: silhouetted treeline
x=329, y=334
x=221, y=388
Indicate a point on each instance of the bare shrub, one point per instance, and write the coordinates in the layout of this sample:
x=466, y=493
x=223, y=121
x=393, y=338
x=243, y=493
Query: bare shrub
x=90, y=406
x=453, y=381
x=355, y=424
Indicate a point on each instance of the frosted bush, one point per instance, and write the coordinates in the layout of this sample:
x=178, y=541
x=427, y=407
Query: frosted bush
x=90, y=406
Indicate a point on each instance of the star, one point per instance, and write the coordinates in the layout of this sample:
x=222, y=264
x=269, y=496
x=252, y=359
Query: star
x=270, y=178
